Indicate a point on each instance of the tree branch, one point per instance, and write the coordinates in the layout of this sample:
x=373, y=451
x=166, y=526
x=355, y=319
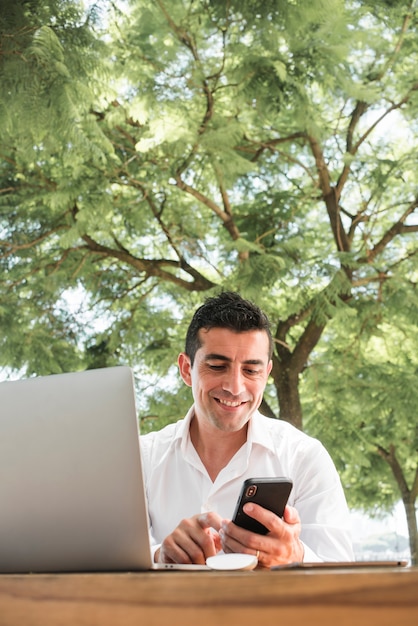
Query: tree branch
x=227, y=220
x=153, y=267
x=396, y=229
x=392, y=108
x=330, y=197
x=391, y=459
x=262, y=146
x=12, y=247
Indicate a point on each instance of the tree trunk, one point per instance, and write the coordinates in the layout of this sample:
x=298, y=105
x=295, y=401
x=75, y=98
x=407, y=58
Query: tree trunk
x=286, y=381
x=409, y=496
x=289, y=364
x=411, y=518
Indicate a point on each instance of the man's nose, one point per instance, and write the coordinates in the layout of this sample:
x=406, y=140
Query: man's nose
x=234, y=381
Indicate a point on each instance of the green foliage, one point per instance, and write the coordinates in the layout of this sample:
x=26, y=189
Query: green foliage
x=48, y=53
x=361, y=397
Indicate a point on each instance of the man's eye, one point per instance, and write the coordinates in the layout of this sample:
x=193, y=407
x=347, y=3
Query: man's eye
x=216, y=368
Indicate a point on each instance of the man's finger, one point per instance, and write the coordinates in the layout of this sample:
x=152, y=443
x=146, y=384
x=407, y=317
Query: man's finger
x=210, y=520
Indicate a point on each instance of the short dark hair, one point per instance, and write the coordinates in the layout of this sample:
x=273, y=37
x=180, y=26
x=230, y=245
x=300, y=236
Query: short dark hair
x=227, y=310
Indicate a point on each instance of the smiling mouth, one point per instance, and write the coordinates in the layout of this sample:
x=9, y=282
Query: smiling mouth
x=229, y=402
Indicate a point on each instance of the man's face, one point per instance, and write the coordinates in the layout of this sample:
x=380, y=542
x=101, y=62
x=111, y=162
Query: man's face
x=228, y=376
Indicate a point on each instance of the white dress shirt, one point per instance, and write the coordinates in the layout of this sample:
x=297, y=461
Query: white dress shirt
x=178, y=485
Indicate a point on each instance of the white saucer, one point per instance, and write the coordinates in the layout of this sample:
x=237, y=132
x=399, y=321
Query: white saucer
x=232, y=561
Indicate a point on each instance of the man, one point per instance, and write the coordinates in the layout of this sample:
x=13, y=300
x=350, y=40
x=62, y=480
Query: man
x=194, y=468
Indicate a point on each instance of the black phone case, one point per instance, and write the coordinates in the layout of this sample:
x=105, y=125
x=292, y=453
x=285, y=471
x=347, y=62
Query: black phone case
x=270, y=493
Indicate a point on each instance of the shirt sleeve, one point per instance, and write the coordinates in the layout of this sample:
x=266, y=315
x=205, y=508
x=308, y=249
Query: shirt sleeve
x=309, y=556
x=322, y=507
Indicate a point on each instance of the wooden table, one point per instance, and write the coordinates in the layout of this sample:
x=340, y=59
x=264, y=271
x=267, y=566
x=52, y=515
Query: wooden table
x=384, y=597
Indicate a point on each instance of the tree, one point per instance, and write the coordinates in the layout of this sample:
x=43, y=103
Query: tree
x=367, y=411
x=266, y=147
x=47, y=53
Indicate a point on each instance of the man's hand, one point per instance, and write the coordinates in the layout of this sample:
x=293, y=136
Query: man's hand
x=280, y=546
x=193, y=541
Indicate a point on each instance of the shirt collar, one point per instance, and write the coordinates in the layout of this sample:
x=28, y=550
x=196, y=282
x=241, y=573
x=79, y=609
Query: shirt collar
x=258, y=431
x=183, y=429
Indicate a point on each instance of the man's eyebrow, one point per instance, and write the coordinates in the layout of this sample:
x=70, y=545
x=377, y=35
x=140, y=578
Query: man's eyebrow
x=213, y=356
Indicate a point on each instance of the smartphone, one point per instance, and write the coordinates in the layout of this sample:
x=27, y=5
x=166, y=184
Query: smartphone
x=270, y=493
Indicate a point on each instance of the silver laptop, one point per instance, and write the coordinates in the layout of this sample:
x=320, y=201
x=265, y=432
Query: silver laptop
x=71, y=486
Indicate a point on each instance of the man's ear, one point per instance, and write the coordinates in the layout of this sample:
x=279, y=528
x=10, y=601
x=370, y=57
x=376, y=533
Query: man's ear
x=185, y=368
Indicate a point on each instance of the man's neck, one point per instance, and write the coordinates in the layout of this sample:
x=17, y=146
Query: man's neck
x=215, y=447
